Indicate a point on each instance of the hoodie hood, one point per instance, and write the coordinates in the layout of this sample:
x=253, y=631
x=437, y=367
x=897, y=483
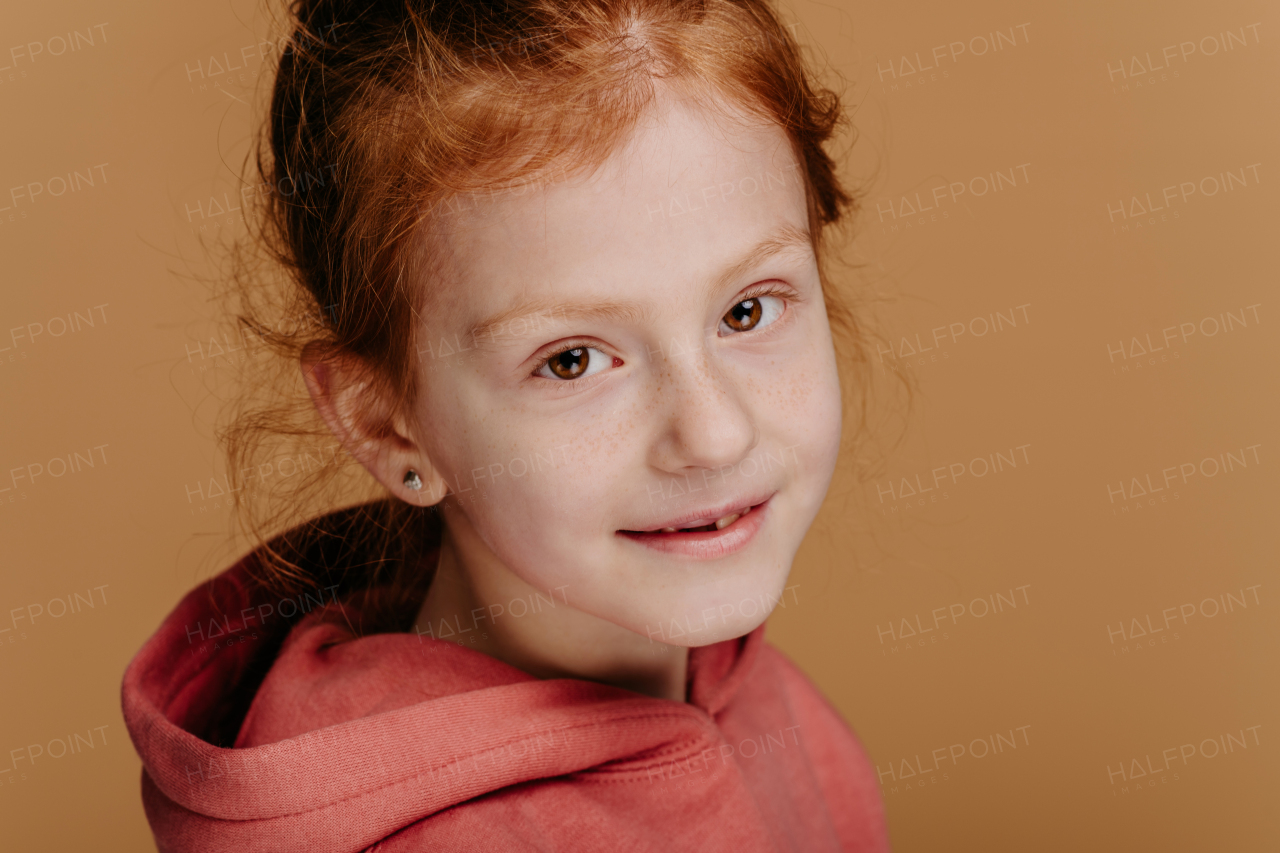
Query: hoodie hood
x=263, y=728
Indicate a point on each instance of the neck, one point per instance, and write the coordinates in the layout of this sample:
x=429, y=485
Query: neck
x=471, y=602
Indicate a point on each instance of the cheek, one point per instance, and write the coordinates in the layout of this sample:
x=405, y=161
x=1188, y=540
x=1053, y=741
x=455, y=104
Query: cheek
x=802, y=403
x=537, y=491
x=827, y=413
x=826, y=402
x=550, y=526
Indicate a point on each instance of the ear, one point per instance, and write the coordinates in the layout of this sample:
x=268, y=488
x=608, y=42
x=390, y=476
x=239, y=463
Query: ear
x=371, y=427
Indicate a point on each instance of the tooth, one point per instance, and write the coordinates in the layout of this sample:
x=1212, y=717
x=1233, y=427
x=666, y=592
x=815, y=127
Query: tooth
x=745, y=511
x=722, y=523
x=668, y=530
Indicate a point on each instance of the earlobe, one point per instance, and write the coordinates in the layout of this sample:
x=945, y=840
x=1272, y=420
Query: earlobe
x=369, y=426
x=419, y=493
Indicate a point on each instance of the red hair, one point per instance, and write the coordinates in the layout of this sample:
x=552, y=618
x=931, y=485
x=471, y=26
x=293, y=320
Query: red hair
x=382, y=113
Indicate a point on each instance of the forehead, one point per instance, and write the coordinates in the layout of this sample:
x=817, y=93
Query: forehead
x=689, y=192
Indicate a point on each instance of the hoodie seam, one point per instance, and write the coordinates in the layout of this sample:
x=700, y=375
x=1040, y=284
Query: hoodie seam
x=620, y=776
x=458, y=761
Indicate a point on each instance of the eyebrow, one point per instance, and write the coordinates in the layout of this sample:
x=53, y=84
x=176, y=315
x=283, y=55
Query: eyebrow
x=531, y=315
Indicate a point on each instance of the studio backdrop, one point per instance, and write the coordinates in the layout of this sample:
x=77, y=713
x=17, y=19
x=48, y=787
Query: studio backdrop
x=1043, y=588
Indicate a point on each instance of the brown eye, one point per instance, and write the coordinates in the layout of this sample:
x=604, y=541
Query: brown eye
x=576, y=363
x=752, y=314
x=569, y=364
x=744, y=316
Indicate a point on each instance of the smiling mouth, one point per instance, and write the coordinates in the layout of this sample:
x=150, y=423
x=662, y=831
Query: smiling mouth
x=699, y=526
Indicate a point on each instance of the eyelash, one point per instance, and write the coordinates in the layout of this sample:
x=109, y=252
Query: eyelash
x=784, y=293
x=543, y=361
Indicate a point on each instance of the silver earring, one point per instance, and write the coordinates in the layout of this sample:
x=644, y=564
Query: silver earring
x=412, y=480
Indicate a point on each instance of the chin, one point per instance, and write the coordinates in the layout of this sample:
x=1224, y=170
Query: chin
x=726, y=632
x=705, y=616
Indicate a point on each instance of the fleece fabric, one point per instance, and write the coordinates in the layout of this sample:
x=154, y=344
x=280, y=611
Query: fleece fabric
x=266, y=725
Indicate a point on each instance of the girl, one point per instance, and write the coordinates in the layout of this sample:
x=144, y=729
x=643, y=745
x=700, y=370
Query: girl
x=568, y=257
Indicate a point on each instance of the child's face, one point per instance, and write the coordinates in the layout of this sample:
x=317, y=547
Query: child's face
x=699, y=380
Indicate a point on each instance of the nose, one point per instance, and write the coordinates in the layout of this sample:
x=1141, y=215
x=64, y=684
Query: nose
x=705, y=420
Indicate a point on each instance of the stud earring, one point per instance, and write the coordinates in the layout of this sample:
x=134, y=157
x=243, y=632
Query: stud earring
x=412, y=480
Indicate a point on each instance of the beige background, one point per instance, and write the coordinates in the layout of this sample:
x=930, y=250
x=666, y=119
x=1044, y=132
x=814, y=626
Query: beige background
x=1068, y=97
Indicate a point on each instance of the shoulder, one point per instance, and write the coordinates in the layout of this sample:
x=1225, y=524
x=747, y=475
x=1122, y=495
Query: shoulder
x=776, y=671
x=326, y=675
x=777, y=674
x=839, y=760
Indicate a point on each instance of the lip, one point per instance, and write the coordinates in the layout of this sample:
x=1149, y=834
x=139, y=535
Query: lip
x=708, y=544
x=699, y=517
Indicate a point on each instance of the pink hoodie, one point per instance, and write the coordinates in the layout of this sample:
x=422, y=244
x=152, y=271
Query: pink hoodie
x=396, y=742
